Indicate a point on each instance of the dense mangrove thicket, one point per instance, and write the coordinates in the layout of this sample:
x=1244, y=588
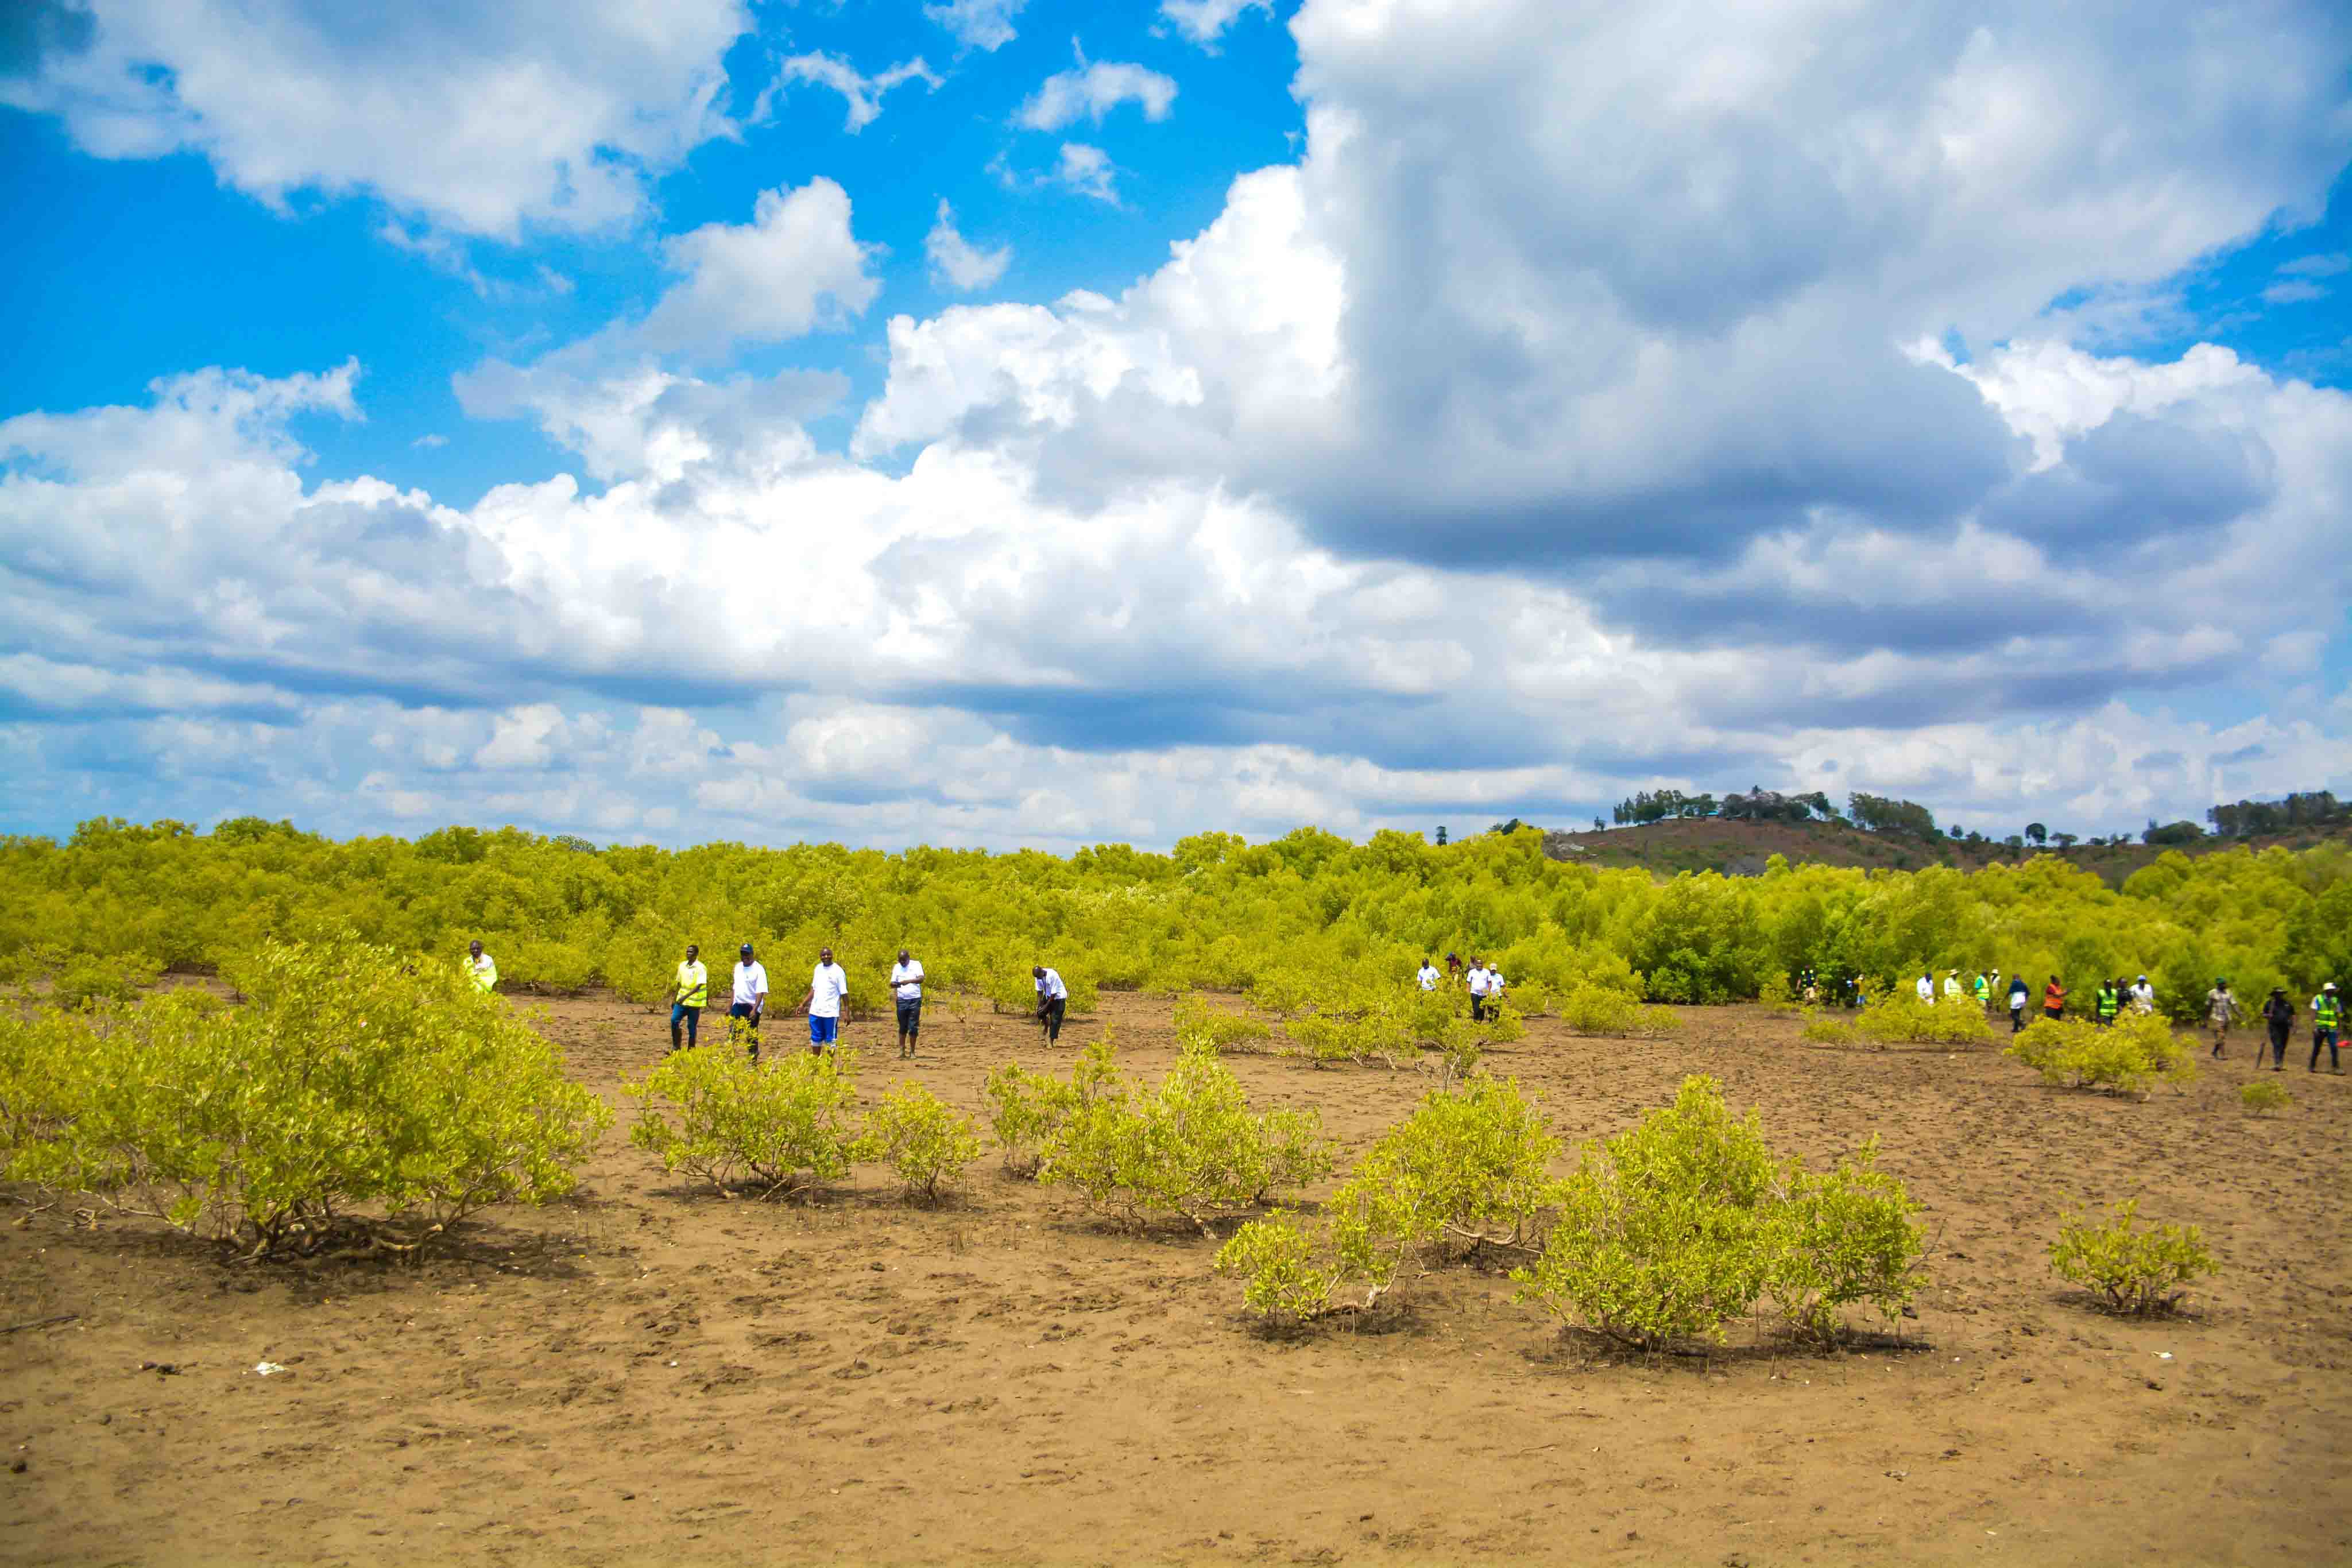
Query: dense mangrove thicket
x=1216, y=912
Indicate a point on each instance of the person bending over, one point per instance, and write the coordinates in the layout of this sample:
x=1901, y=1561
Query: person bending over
x=1053, y=1001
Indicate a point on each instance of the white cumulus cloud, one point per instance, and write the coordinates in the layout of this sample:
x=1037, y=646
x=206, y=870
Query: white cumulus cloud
x=1091, y=89
x=1206, y=21
x=863, y=94
x=956, y=262
x=977, y=24
x=475, y=118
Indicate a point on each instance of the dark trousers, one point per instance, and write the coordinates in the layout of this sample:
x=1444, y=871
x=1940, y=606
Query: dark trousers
x=750, y=1016
x=910, y=1016
x=2017, y=1019
x=691, y=1017
x=1049, y=1013
x=1477, y=1009
x=2325, y=1037
x=2280, y=1029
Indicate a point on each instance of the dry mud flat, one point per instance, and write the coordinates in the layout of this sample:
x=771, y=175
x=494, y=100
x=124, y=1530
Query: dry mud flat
x=648, y=1373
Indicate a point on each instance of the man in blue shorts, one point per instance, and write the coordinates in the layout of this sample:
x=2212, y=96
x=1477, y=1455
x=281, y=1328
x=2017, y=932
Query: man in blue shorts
x=828, y=986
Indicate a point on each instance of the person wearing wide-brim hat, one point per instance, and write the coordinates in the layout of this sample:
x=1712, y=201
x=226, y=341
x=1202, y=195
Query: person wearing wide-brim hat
x=2279, y=1014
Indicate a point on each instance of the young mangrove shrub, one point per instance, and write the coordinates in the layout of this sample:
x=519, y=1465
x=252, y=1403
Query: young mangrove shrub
x=355, y=1092
x=1027, y=1109
x=1666, y=1232
x=2138, y=1272
x=1899, y=1017
x=1189, y=1147
x=2262, y=1097
x=2129, y=1057
x=1468, y=1168
x=1200, y=1024
x=924, y=1141
x=81, y=978
x=1281, y=1280
x=785, y=1127
x=1844, y=1237
x=1613, y=1012
x=1830, y=1031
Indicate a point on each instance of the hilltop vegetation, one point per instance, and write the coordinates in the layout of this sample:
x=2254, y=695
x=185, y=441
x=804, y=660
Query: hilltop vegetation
x=1303, y=910
x=1737, y=846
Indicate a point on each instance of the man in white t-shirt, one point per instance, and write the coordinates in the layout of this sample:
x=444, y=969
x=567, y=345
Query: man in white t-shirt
x=1494, y=991
x=907, y=991
x=1053, y=1001
x=750, y=998
x=1428, y=976
x=2143, y=995
x=1926, y=988
x=828, y=987
x=1477, y=980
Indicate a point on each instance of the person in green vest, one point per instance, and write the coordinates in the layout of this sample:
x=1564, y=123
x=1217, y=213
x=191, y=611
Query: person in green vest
x=484, y=971
x=1984, y=990
x=689, y=992
x=2107, y=1002
x=2326, y=1017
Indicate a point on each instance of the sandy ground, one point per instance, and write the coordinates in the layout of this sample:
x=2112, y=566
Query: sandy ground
x=650, y=1372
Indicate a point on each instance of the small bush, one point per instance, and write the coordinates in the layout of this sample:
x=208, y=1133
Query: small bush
x=1831, y=1031
x=1468, y=1168
x=1280, y=1279
x=1602, y=1010
x=1189, y=1147
x=1027, y=1109
x=81, y=978
x=2262, y=1097
x=1900, y=1017
x=924, y=1141
x=351, y=1079
x=1660, y=1235
x=1199, y=1024
x=2128, y=1058
x=1845, y=1237
x=785, y=1127
x=2138, y=1272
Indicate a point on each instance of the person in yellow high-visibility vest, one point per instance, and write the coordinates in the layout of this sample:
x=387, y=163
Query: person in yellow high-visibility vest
x=2326, y=1017
x=481, y=967
x=689, y=992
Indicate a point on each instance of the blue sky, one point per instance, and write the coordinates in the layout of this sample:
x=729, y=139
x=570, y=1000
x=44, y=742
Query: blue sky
x=586, y=416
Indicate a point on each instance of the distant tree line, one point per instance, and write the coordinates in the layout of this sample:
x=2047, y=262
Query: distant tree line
x=2314, y=809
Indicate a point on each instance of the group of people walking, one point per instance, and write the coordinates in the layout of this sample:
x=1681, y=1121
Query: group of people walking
x=2278, y=1014
x=829, y=989
x=1483, y=981
x=2111, y=997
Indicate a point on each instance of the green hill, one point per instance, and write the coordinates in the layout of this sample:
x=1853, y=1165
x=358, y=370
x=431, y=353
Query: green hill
x=1738, y=847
